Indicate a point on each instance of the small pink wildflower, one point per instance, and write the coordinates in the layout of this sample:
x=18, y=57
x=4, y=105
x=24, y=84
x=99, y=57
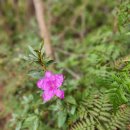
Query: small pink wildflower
x=50, y=84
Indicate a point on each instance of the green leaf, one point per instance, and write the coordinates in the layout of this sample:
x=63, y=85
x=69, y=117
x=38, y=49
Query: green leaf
x=61, y=118
x=49, y=62
x=32, y=51
x=128, y=33
x=36, y=124
x=31, y=118
x=35, y=74
x=19, y=125
x=71, y=100
x=54, y=107
x=122, y=94
x=42, y=49
x=73, y=109
x=24, y=58
x=32, y=122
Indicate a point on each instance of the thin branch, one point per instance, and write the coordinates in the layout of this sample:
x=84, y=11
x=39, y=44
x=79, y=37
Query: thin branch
x=76, y=76
x=40, y=15
x=69, y=53
x=72, y=73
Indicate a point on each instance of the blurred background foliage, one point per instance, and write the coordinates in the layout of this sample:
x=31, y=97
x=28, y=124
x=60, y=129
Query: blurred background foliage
x=91, y=41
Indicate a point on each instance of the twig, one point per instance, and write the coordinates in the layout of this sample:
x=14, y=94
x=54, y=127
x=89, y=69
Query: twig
x=69, y=53
x=40, y=15
x=76, y=76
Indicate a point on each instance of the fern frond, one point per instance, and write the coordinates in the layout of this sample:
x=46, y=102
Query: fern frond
x=97, y=114
x=121, y=63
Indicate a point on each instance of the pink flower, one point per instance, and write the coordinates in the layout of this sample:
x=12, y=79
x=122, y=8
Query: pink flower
x=50, y=84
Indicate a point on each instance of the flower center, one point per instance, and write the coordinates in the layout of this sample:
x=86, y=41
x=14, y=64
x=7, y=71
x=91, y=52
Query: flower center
x=52, y=85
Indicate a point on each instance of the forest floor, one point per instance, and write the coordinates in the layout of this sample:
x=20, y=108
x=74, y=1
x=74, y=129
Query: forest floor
x=3, y=118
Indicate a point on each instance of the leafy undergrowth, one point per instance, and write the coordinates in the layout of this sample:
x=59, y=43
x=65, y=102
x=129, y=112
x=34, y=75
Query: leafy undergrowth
x=92, y=53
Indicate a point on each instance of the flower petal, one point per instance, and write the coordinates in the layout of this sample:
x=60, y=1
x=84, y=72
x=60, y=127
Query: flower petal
x=44, y=84
x=48, y=74
x=59, y=93
x=50, y=84
x=47, y=95
x=40, y=83
x=59, y=79
x=47, y=84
